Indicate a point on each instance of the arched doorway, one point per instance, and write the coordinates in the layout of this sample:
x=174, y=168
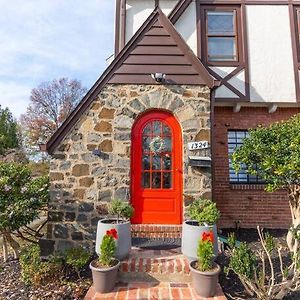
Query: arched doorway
x=156, y=169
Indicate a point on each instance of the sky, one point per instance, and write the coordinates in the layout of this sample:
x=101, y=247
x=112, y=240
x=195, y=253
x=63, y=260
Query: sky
x=42, y=40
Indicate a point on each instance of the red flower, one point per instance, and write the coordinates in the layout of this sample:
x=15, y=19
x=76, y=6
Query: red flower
x=208, y=236
x=113, y=233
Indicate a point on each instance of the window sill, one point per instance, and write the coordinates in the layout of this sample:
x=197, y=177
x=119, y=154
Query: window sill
x=247, y=186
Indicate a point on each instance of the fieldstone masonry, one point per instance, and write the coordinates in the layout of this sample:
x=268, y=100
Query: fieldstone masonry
x=92, y=164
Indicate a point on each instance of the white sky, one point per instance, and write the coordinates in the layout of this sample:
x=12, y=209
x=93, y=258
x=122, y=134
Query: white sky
x=41, y=40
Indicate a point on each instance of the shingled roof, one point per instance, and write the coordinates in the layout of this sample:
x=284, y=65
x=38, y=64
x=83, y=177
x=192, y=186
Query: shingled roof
x=155, y=47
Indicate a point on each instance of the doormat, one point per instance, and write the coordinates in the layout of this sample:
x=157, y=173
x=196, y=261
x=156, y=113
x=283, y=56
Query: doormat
x=156, y=243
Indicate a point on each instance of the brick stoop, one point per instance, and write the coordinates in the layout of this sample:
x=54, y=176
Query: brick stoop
x=155, y=231
x=155, y=275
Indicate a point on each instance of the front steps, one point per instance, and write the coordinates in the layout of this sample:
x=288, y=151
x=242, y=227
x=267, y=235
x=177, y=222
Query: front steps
x=155, y=231
x=153, y=275
x=155, y=266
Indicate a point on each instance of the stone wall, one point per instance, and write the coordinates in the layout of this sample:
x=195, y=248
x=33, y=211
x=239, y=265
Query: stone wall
x=82, y=182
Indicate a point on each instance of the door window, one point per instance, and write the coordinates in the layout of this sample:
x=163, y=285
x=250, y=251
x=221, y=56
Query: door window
x=157, y=156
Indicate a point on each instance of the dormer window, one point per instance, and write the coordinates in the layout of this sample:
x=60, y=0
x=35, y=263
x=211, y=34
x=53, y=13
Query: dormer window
x=220, y=35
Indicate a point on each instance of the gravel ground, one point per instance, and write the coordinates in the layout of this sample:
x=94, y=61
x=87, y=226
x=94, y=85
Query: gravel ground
x=12, y=287
x=231, y=285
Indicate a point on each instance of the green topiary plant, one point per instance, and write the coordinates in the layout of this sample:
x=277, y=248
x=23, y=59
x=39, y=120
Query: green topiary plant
x=120, y=209
x=108, y=248
x=77, y=258
x=204, y=211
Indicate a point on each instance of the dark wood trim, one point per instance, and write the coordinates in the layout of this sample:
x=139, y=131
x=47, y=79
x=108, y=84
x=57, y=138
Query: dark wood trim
x=117, y=27
x=122, y=24
x=295, y=46
x=178, y=10
x=156, y=15
x=244, y=33
x=212, y=139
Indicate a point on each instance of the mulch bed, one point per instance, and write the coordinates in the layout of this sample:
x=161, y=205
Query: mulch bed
x=12, y=287
x=230, y=283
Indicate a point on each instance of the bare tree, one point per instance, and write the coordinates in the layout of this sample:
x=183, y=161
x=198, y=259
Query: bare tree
x=50, y=104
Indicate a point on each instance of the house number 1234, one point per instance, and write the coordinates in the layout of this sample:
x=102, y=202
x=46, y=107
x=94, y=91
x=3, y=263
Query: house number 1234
x=198, y=145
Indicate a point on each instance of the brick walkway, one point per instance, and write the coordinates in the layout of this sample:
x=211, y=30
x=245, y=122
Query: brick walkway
x=151, y=291
x=153, y=275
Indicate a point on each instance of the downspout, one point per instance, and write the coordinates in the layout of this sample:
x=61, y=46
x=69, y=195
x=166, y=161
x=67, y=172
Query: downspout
x=117, y=27
x=122, y=24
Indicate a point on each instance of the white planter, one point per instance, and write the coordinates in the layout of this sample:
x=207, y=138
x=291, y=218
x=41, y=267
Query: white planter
x=191, y=235
x=124, y=236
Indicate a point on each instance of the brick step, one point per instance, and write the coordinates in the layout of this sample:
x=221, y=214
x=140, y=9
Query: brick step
x=156, y=231
x=155, y=266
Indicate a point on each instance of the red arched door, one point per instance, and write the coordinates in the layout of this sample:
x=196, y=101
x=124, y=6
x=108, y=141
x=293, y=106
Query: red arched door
x=156, y=169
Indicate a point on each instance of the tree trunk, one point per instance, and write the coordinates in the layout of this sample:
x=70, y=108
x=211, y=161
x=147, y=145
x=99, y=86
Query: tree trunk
x=294, y=203
x=13, y=243
x=5, y=250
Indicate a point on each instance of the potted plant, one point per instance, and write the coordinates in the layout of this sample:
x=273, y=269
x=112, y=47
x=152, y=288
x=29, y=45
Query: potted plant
x=121, y=212
x=204, y=271
x=105, y=268
x=203, y=214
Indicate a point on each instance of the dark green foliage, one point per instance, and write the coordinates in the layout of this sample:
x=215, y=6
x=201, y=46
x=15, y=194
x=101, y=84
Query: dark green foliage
x=242, y=261
x=275, y=151
x=34, y=270
x=21, y=196
x=204, y=211
x=77, y=258
x=269, y=241
x=121, y=209
x=9, y=138
x=108, y=250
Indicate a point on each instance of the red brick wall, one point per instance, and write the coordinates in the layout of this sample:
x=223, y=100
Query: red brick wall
x=248, y=205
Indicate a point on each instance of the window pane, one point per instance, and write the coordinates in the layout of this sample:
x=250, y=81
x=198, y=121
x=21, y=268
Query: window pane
x=167, y=180
x=167, y=162
x=156, y=180
x=147, y=130
x=168, y=144
x=146, y=143
x=166, y=130
x=156, y=162
x=146, y=162
x=146, y=180
x=220, y=22
x=221, y=48
x=157, y=128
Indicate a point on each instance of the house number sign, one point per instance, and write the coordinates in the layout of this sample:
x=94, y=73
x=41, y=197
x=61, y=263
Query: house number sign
x=198, y=145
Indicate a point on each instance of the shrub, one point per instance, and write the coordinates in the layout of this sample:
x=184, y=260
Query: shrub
x=205, y=252
x=121, y=209
x=77, y=258
x=257, y=270
x=33, y=270
x=204, y=211
x=108, y=248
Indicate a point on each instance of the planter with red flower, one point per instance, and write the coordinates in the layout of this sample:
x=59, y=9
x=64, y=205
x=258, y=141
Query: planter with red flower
x=119, y=213
x=203, y=214
x=105, y=268
x=204, y=271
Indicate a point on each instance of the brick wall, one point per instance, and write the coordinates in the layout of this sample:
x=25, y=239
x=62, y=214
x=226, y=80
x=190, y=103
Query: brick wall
x=248, y=204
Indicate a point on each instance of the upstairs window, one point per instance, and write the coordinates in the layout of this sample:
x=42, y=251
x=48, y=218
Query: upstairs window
x=220, y=35
x=235, y=140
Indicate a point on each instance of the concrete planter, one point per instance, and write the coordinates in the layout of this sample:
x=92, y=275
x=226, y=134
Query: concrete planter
x=191, y=234
x=104, y=279
x=124, y=236
x=205, y=283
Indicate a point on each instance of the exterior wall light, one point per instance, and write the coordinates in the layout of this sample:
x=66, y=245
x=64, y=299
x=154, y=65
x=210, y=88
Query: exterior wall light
x=158, y=77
